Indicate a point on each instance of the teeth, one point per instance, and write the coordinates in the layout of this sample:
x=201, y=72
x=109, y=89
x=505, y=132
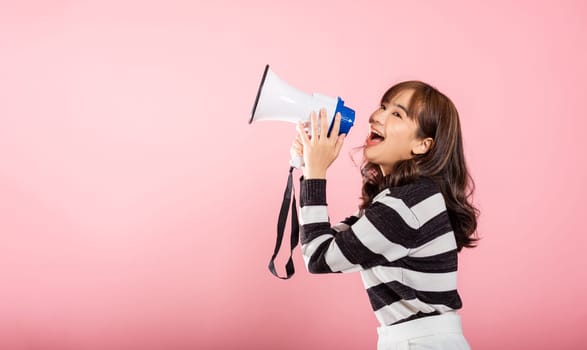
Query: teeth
x=376, y=133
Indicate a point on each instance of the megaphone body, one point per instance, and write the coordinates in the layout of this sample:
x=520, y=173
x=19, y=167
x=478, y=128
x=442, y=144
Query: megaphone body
x=278, y=101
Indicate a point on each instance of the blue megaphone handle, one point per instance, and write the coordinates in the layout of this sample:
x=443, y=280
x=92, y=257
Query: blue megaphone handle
x=347, y=117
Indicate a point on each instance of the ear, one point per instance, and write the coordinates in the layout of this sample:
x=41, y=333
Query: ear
x=422, y=146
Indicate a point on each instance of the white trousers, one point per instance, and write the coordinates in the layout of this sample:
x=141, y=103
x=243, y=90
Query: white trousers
x=442, y=332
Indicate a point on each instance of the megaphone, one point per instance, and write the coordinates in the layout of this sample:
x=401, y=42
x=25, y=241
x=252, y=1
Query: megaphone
x=278, y=101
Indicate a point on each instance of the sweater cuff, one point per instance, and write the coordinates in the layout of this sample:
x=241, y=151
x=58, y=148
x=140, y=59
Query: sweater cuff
x=312, y=192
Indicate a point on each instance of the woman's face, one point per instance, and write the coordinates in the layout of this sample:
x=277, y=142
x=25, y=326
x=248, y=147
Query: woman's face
x=392, y=135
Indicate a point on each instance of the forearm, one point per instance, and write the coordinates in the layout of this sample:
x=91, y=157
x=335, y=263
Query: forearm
x=379, y=236
x=314, y=209
x=322, y=253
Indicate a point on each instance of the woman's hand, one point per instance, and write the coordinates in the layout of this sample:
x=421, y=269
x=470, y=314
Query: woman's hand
x=320, y=150
x=297, y=148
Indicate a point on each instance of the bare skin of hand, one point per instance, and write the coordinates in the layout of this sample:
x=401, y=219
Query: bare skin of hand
x=320, y=150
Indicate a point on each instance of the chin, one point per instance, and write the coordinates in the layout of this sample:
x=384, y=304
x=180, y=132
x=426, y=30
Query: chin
x=368, y=155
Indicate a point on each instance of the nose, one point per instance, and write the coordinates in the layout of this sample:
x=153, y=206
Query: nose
x=376, y=118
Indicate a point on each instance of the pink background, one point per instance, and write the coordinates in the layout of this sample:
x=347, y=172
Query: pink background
x=138, y=207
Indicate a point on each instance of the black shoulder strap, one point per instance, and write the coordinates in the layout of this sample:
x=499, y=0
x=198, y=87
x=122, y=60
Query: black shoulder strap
x=295, y=228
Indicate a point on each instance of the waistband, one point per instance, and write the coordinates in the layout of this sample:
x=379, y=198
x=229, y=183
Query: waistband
x=449, y=322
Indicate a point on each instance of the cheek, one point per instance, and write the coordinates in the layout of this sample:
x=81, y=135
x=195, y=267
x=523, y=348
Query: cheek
x=397, y=133
x=401, y=140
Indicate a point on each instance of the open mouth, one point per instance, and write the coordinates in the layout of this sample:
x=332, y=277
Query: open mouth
x=374, y=137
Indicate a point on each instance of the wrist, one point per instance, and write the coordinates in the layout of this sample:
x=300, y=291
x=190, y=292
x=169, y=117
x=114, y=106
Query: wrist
x=313, y=192
x=314, y=174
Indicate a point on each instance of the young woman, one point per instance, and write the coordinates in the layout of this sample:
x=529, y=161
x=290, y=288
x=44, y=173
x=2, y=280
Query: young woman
x=414, y=217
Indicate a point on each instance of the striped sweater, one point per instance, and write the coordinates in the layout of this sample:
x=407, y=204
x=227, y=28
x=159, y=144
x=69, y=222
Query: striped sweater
x=402, y=244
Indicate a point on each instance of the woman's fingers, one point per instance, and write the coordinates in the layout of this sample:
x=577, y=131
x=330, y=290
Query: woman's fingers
x=320, y=126
x=314, y=125
x=323, y=124
x=335, y=128
x=298, y=146
x=302, y=134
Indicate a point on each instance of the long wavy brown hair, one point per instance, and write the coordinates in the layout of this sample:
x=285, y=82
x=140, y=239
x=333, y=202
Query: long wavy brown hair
x=436, y=117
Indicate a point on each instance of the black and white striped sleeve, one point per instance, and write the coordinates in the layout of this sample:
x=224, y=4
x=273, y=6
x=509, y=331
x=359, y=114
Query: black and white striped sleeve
x=381, y=235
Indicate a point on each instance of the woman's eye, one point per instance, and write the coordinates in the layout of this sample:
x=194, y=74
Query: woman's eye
x=397, y=114
x=382, y=107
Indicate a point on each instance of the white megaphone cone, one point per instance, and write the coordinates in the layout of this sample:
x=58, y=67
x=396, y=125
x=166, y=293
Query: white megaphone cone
x=276, y=100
